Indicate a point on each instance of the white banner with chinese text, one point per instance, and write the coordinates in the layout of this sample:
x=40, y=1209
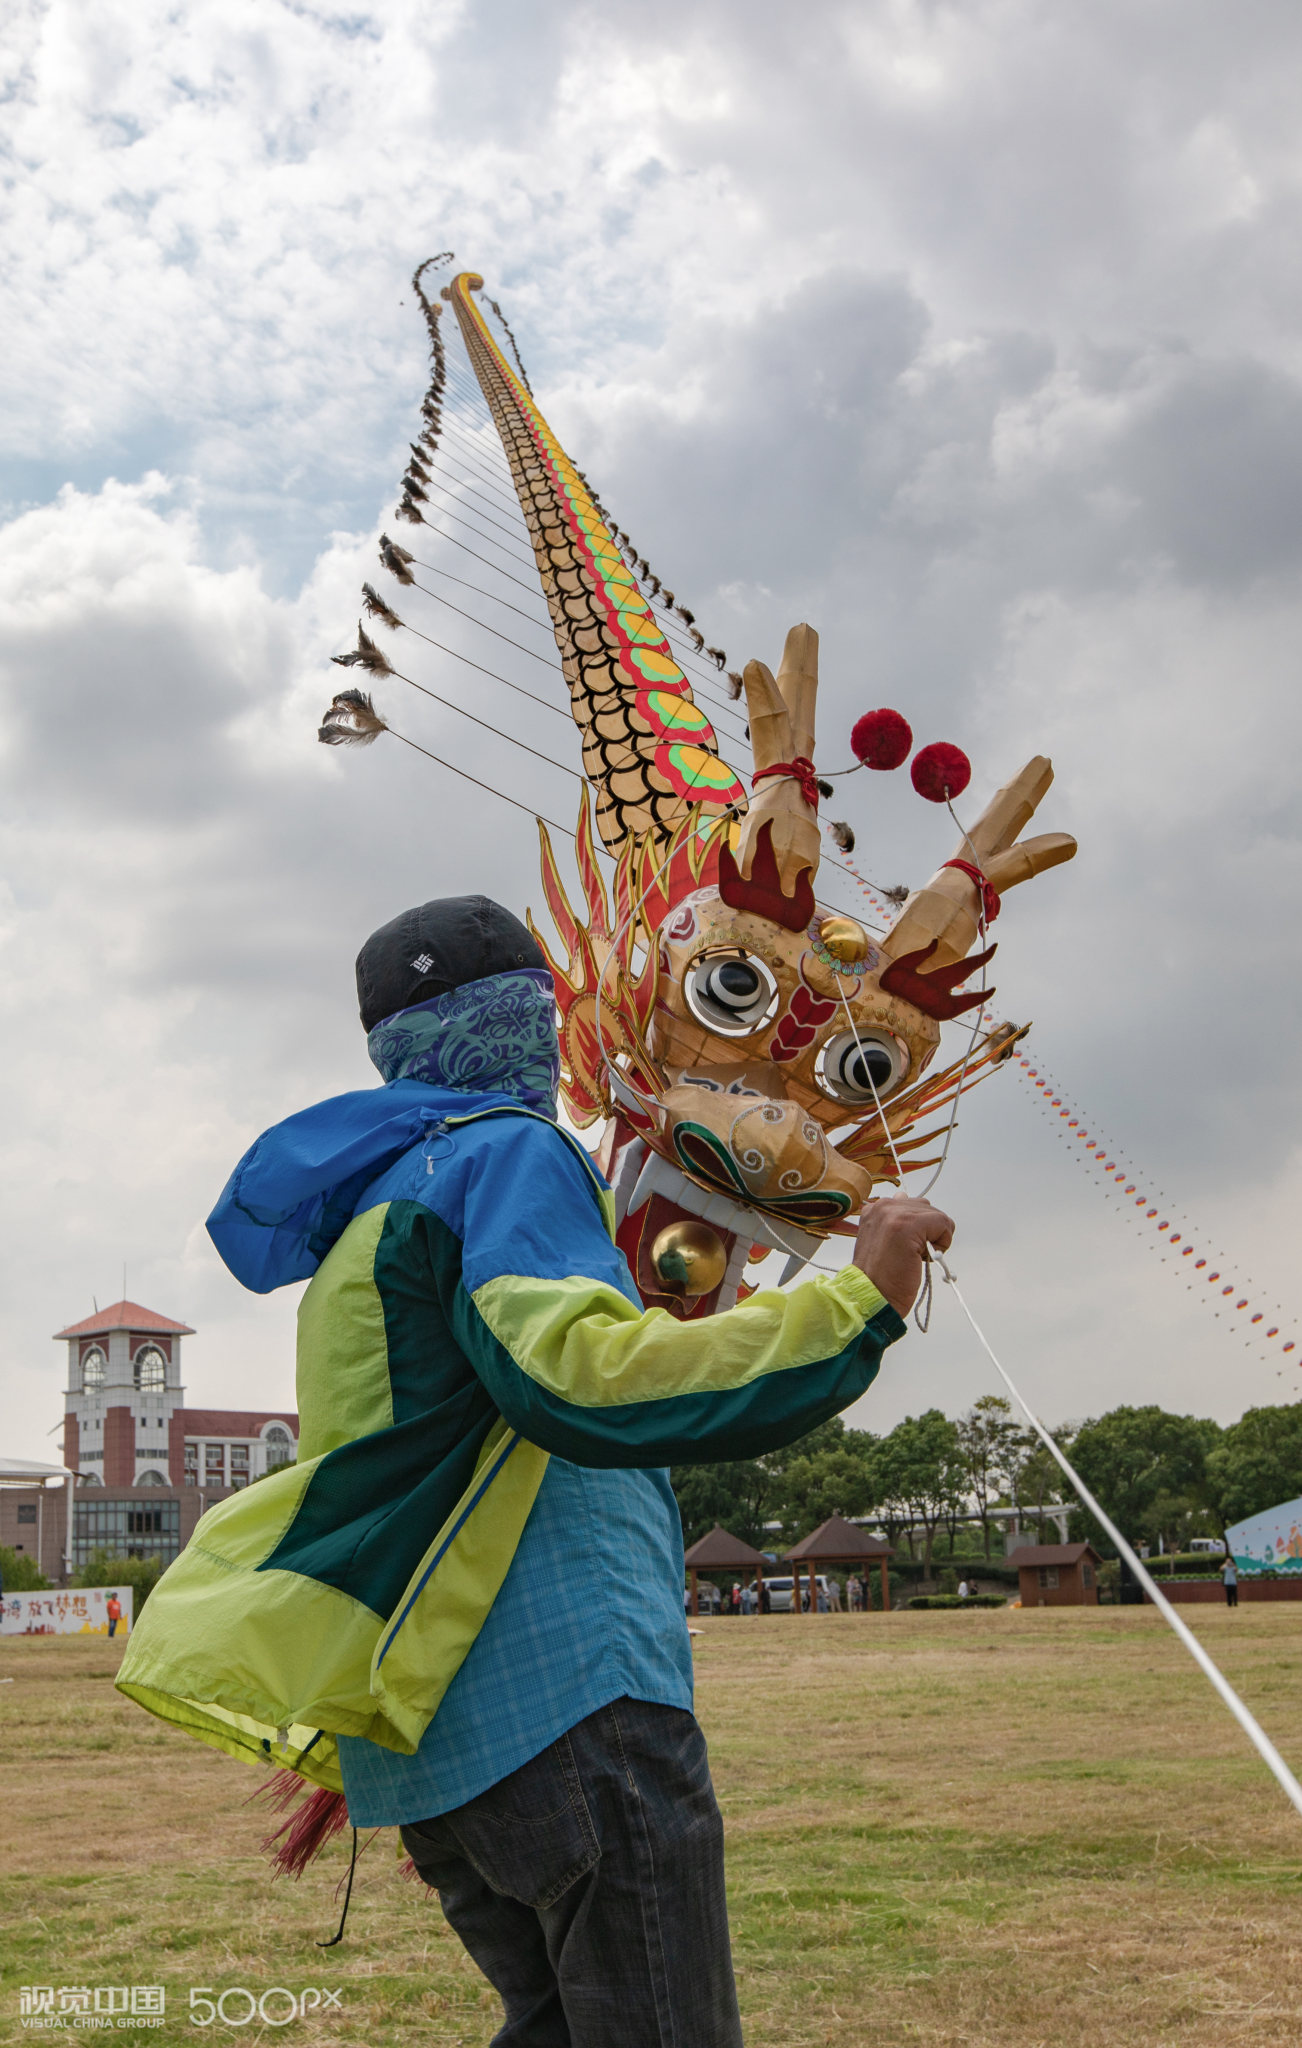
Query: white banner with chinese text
x=81, y=1611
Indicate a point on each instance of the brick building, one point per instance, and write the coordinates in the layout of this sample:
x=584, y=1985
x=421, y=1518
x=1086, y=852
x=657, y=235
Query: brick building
x=145, y=1465
x=125, y=1419
x=1057, y=1574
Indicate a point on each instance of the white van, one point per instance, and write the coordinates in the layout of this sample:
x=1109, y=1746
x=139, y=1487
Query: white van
x=780, y=1591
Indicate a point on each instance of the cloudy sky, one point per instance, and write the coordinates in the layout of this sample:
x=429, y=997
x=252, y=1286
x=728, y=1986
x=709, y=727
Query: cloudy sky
x=967, y=332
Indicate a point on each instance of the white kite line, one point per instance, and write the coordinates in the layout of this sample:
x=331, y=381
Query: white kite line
x=1255, y=1733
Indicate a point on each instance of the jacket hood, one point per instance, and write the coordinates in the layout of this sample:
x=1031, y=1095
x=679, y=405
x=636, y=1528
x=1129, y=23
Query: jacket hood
x=297, y=1187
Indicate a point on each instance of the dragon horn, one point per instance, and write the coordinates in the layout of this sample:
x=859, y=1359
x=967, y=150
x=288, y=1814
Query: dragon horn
x=778, y=848
x=948, y=914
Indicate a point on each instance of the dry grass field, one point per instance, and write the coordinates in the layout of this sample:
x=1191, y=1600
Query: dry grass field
x=996, y=1829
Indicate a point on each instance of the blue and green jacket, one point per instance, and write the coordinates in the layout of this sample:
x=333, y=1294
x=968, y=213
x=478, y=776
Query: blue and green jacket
x=467, y=1316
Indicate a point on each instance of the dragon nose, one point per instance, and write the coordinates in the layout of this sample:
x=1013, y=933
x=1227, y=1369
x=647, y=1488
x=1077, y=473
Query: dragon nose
x=756, y=1144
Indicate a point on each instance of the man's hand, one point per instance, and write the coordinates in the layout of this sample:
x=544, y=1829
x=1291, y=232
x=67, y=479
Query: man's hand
x=894, y=1233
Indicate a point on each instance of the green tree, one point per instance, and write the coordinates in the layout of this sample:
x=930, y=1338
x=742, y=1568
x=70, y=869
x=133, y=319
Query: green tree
x=738, y=1496
x=989, y=1444
x=1257, y=1464
x=830, y=1471
x=1036, y=1476
x=21, y=1574
x=1174, y=1518
x=102, y=1568
x=837, y=1481
x=919, y=1468
x=1131, y=1458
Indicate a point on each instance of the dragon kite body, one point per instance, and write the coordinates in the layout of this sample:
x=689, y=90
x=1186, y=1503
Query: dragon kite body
x=759, y=1062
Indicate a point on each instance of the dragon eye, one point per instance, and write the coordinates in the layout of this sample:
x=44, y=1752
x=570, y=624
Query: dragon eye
x=852, y=1069
x=732, y=993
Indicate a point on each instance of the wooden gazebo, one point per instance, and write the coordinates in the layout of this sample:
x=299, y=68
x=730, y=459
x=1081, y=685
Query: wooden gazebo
x=722, y=1552
x=837, y=1541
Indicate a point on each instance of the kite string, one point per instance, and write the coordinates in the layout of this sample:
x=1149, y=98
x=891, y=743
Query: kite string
x=1256, y=1735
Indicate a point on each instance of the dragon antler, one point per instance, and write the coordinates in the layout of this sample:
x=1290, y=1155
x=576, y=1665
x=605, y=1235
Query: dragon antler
x=778, y=848
x=944, y=918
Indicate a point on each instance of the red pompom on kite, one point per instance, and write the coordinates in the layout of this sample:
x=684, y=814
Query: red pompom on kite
x=940, y=772
x=881, y=739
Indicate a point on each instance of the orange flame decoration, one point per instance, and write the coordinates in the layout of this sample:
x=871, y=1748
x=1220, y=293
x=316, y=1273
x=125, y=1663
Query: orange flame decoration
x=934, y=1096
x=650, y=876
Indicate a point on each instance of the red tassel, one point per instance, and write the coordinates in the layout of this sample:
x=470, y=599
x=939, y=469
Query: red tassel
x=322, y=1816
x=280, y=1790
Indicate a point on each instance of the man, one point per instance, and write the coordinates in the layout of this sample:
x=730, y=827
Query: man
x=487, y=1412
x=113, y=1609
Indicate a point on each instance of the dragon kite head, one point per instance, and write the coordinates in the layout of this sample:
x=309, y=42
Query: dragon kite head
x=762, y=1059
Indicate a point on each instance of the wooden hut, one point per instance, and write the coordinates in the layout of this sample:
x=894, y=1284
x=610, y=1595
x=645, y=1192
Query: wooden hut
x=1057, y=1574
x=837, y=1541
x=721, y=1551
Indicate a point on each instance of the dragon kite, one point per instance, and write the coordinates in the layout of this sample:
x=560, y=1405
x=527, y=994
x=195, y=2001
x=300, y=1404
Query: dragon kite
x=759, y=1062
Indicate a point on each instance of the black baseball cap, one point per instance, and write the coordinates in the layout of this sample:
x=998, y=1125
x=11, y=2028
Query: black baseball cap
x=437, y=947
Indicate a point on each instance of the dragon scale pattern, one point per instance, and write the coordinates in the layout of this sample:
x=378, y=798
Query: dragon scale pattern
x=649, y=752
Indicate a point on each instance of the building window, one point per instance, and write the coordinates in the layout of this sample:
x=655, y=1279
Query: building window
x=280, y=1446
x=1087, y=1576
x=125, y=1528
x=192, y=1464
x=92, y=1368
x=150, y=1369
x=1048, y=1576
x=27, y=1511
x=151, y=1477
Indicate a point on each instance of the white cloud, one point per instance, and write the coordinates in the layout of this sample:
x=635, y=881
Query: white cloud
x=967, y=331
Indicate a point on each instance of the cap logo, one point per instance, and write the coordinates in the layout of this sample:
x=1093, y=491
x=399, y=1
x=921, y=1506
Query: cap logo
x=422, y=963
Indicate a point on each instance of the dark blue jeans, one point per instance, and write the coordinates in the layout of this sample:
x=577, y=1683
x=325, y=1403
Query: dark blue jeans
x=588, y=1887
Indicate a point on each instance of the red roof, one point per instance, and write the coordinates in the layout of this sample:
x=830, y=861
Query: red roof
x=1032, y=1555
x=231, y=1421
x=126, y=1315
x=723, y=1551
x=838, y=1542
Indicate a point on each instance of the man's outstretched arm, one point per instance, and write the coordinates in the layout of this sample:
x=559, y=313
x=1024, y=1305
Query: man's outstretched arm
x=581, y=1370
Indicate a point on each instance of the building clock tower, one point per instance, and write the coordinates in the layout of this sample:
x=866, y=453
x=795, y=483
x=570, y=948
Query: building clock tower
x=124, y=1388
x=126, y=1423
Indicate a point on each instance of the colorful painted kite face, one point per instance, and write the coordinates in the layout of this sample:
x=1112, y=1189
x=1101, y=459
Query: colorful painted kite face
x=762, y=1059
x=736, y=987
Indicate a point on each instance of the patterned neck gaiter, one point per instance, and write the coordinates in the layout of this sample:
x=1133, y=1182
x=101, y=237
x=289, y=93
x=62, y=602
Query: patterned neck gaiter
x=490, y=1037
